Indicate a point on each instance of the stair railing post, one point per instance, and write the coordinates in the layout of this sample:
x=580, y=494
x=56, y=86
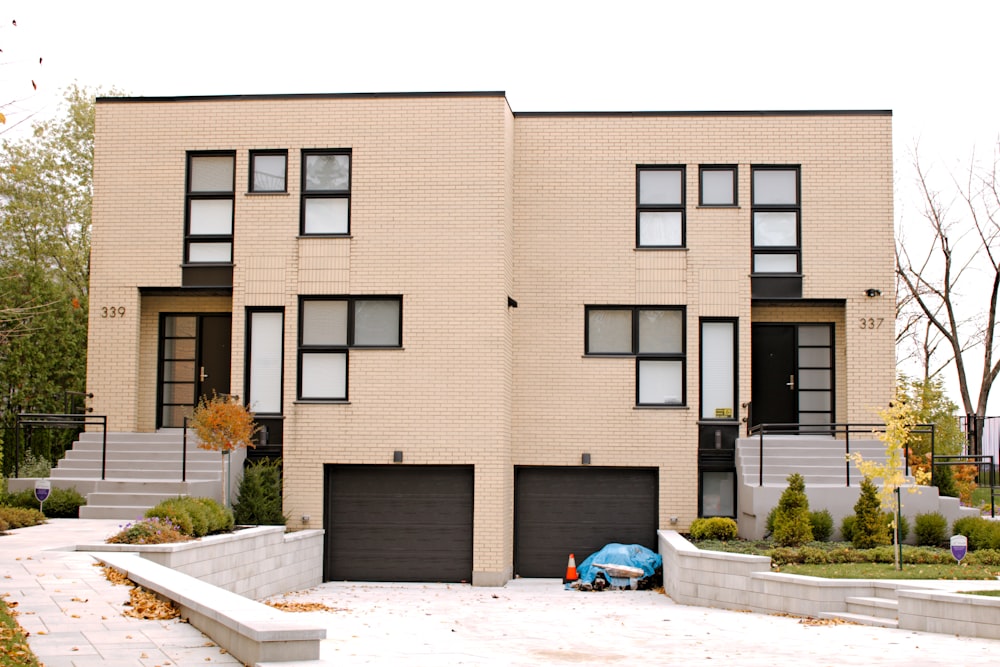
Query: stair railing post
x=760, y=458
x=847, y=453
x=184, y=451
x=104, y=449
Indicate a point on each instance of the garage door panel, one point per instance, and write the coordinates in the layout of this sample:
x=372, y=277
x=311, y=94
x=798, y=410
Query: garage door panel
x=559, y=511
x=399, y=523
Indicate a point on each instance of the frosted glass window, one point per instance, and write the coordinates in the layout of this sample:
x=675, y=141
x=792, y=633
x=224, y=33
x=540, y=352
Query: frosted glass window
x=815, y=401
x=327, y=173
x=772, y=263
x=181, y=326
x=815, y=379
x=661, y=331
x=212, y=216
x=775, y=228
x=212, y=173
x=660, y=187
x=718, y=370
x=326, y=216
x=717, y=497
x=609, y=332
x=718, y=187
x=210, y=252
x=266, y=330
x=817, y=357
x=269, y=172
x=660, y=382
x=814, y=335
x=775, y=187
x=324, y=322
x=660, y=228
x=324, y=375
x=376, y=322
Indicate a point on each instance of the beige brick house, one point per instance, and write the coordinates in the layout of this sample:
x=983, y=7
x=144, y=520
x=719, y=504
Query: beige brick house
x=482, y=339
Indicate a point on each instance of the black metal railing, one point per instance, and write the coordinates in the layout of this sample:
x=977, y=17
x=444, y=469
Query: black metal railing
x=31, y=420
x=839, y=431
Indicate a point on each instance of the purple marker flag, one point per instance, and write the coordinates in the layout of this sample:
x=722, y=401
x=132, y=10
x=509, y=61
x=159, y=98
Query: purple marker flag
x=959, y=546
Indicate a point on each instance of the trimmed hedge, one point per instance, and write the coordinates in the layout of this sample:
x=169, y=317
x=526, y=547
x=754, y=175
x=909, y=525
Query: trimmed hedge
x=61, y=503
x=714, y=528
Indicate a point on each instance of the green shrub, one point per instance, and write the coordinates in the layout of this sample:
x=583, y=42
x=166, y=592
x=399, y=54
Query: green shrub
x=220, y=519
x=258, y=500
x=987, y=557
x=931, y=529
x=154, y=530
x=982, y=533
x=791, y=521
x=714, y=528
x=61, y=503
x=822, y=525
x=904, y=525
x=944, y=478
x=847, y=527
x=20, y=517
x=178, y=516
x=870, y=528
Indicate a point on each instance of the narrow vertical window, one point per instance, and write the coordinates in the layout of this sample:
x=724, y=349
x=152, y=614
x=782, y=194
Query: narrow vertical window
x=776, y=236
x=210, y=199
x=718, y=369
x=265, y=360
x=659, y=215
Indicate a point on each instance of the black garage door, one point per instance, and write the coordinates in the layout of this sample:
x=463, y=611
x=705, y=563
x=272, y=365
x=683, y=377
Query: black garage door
x=559, y=511
x=398, y=523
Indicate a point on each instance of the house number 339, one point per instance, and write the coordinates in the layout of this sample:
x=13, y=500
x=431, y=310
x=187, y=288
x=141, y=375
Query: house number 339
x=113, y=312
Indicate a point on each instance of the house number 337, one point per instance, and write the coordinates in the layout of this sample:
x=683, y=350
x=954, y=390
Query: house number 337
x=871, y=322
x=113, y=312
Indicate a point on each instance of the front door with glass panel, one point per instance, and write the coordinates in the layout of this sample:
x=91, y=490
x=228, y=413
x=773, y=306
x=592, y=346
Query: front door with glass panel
x=194, y=361
x=792, y=383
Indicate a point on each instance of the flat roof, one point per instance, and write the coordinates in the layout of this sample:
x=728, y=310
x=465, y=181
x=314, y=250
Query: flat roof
x=494, y=93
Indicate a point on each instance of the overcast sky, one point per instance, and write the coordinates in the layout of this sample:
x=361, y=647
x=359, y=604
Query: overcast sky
x=934, y=64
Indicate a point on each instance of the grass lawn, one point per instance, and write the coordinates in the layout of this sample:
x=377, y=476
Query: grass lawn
x=14, y=651
x=989, y=594
x=889, y=571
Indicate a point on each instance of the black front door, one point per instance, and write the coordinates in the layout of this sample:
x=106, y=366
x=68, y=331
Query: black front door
x=773, y=369
x=194, y=362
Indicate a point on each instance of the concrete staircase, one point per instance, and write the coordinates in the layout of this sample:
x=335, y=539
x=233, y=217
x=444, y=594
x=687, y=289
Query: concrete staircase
x=141, y=470
x=821, y=460
x=880, y=609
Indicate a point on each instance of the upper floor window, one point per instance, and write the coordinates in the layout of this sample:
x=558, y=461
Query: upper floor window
x=776, y=235
x=654, y=335
x=330, y=326
x=718, y=185
x=326, y=192
x=210, y=198
x=659, y=216
x=268, y=171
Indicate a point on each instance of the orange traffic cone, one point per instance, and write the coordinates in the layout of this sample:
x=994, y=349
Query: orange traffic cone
x=571, y=570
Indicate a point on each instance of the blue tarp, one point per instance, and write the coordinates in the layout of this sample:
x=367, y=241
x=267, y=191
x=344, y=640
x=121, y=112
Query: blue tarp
x=631, y=555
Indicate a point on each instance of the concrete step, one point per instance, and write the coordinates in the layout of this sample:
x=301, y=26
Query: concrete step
x=120, y=513
x=118, y=473
x=873, y=606
x=861, y=619
x=99, y=499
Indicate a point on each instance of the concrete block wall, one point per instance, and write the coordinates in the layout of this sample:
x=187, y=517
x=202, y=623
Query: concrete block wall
x=254, y=562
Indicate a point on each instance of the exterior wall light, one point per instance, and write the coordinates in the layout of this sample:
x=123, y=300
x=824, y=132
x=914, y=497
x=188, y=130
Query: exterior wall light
x=871, y=292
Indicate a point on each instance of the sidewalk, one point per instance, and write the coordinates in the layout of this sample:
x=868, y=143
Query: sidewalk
x=74, y=614
x=75, y=619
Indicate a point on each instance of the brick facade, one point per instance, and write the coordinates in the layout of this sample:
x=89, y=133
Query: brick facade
x=458, y=204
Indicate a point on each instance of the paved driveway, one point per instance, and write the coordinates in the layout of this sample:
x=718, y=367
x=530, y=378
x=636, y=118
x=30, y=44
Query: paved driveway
x=536, y=622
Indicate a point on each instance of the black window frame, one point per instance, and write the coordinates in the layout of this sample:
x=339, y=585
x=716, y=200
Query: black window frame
x=247, y=361
x=350, y=344
x=641, y=208
x=644, y=356
x=251, y=171
x=306, y=194
x=718, y=167
x=735, y=322
x=204, y=195
x=795, y=208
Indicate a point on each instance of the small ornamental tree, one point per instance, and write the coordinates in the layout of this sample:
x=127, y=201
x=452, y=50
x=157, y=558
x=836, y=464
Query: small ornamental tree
x=870, y=527
x=792, y=527
x=223, y=424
